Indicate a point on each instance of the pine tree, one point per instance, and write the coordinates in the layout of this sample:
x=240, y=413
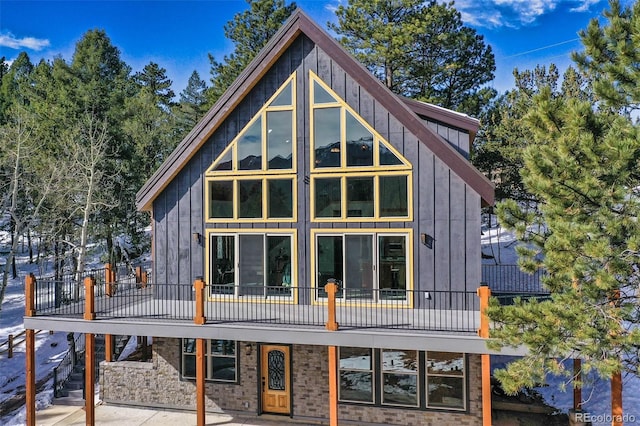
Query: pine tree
x=420, y=50
x=191, y=107
x=155, y=79
x=249, y=31
x=582, y=167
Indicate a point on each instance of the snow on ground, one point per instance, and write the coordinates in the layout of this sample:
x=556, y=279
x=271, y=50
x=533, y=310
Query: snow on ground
x=597, y=392
x=50, y=349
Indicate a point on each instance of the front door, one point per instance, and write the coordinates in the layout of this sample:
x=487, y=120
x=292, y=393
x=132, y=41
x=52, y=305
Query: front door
x=276, y=379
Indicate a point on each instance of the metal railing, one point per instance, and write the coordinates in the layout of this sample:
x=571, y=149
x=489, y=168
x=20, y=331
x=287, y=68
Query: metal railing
x=417, y=310
x=62, y=372
x=511, y=279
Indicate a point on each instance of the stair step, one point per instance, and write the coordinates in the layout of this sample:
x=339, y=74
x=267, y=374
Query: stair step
x=69, y=401
x=72, y=385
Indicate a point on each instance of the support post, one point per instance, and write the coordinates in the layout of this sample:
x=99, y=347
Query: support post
x=616, y=399
x=89, y=379
x=200, y=382
x=89, y=303
x=145, y=279
x=30, y=353
x=138, y=274
x=108, y=347
x=331, y=288
x=10, y=343
x=199, y=288
x=484, y=293
x=30, y=393
x=333, y=385
x=577, y=390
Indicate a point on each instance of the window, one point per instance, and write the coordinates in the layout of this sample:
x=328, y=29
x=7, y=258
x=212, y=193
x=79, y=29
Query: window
x=400, y=377
x=369, y=265
x=445, y=380
x=356, y=374
x=395, y=377
x=361, y=195
x=355, y=173
x=253, y=178
x=220, y=357
x=245, y=264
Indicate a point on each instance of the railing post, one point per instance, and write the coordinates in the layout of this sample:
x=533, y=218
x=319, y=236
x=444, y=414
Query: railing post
x=484, y=293
x=199, y=287
x=89, y=303
x=138, y=274
x=108, y=280
x=331, y=288
x=10, y=342
x=144, y=279
x=30, y=295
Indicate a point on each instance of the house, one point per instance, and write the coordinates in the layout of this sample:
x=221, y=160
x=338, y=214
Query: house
x=307, y=171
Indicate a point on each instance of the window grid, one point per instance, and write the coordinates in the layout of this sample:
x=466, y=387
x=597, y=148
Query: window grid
x=282, y=267
x=377, y=369
x=378, y=198
x=377, y=293
x=227, y=359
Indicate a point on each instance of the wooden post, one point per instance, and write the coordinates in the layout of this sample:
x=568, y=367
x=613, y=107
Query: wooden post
x=484, y=292
x=333, y=385
x=10, y=343
x=200, y=381
x=577, y=391
x=89, y=303
x=30, y=393
x=145, y=279
x=138, y=274
x=616, y=399
x=108, y=280
x=108, y=347
x=331, y=288
x=30, y=296
x=89, y=379
x=30, y=353
x=199, y=286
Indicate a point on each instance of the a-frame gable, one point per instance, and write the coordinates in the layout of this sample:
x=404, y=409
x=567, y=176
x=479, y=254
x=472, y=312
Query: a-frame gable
x=299, y=23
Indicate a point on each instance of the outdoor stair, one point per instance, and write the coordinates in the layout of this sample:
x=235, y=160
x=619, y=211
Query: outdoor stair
x=73, y=391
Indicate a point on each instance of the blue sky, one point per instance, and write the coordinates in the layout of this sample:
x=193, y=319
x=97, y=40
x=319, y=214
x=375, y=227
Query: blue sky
x=179, y=34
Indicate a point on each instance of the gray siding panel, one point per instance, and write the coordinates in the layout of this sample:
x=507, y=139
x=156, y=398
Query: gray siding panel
x=442, y=230
x=457, y=249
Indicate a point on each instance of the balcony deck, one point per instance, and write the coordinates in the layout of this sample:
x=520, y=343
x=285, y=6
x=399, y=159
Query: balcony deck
x=415, y=311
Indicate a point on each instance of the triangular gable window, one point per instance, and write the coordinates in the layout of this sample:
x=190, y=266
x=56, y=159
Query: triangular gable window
x=356, y=175
x=267, y=142
x=342, y=139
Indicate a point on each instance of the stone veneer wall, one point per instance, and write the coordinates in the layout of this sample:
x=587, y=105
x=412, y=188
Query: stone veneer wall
x=158, y=383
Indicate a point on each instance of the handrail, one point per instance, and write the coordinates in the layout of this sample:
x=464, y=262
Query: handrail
x=13, y=341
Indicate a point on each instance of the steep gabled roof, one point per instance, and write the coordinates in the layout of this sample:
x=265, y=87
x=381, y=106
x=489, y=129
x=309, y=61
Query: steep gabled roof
x=299, y=23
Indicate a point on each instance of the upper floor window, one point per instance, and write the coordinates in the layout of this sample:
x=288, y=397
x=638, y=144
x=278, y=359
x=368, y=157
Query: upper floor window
x=355, y=173
x=341, y=139
x=265, y=147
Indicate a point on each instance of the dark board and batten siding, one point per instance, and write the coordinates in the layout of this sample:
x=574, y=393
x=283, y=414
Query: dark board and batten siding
x=444, y=206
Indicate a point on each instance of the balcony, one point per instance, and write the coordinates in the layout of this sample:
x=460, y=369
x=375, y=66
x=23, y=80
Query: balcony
x=127, y=299
x=416, y=311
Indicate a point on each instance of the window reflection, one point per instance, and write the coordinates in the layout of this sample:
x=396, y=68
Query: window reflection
x=250, y=147
x=279, y=139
